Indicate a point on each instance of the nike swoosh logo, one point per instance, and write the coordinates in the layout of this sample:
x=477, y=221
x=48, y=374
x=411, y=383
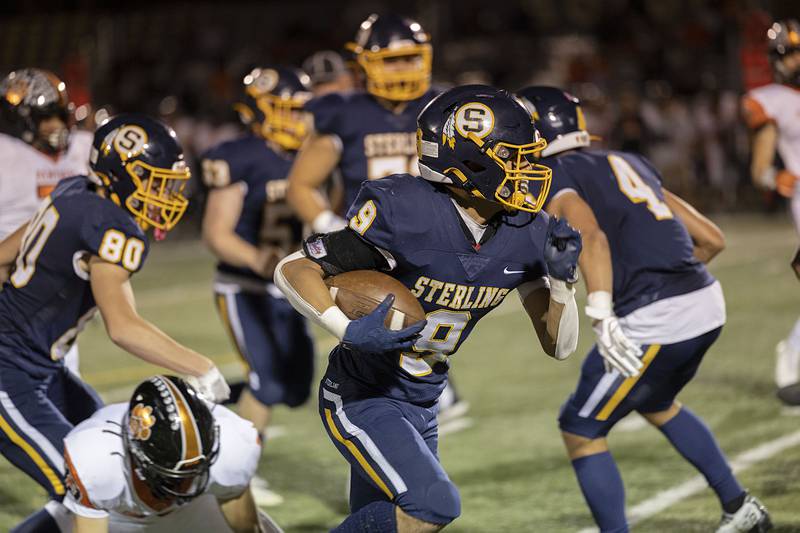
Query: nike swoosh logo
x=507, y=271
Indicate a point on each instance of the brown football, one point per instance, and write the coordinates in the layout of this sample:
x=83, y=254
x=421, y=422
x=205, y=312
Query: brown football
x=358, y=293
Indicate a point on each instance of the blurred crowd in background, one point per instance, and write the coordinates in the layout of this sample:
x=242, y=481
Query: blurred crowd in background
x=660, y=77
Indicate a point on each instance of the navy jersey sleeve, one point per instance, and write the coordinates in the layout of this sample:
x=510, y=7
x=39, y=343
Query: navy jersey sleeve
x=371, y=215
x=562, y=178
x=327, y=113
x=225, y=165
x=112, y=235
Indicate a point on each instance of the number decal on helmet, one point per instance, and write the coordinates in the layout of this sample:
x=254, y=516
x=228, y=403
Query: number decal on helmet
x=130, y=141
x=476, y=118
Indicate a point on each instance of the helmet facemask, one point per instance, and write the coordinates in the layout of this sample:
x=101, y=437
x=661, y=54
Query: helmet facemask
x=158, y=200
x=525, y=184
x=184, y=481
x=285, y=123
x=399, y=73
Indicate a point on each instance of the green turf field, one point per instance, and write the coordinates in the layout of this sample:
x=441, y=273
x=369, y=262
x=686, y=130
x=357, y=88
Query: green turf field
x=510, y=466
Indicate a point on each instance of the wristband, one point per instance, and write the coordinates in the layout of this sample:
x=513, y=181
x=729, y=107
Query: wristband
x=599, y=305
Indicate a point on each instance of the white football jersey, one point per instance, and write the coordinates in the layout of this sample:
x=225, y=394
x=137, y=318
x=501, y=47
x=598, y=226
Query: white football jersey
x=101, y=481
x=779, y=104
x=28, y=175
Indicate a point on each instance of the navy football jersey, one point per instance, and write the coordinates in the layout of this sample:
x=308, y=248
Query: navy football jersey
x=48, y=297
x=375, y=141
x=456, y=284
x=266, y=218
x=651, y=250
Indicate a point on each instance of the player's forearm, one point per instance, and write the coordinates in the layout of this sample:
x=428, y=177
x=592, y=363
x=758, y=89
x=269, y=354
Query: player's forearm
x=595, y=262
x=300, y=279
x=305, y=278
x=763, y=153
x=708, y=239
x=90, y=525
x=144, y=340
x=305, y=201
x=241, y=513
x=231, y=249
x=554, y=315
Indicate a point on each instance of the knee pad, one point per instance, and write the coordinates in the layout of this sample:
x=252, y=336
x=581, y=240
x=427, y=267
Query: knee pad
x=437, y=503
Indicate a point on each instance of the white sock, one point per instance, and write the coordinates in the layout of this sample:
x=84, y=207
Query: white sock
x=794, y=337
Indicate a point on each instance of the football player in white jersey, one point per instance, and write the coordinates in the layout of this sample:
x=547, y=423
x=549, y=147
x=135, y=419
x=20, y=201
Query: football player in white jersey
x=38, y=150
x=771, y=112
x=167, y=461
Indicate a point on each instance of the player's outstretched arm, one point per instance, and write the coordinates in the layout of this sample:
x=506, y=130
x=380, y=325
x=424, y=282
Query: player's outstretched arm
x=707, y=237
x=114, y=296
x=315, y=161
x=90, y=525
x=617, y=350
x=223, y=208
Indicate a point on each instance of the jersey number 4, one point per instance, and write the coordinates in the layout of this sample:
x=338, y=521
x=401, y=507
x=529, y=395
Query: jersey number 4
x=633, y=186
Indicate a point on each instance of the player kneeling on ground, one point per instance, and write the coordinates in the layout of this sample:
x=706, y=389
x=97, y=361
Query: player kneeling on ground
x=655, y=308
x=77, y=254
x=460, y=238
x=167, y=461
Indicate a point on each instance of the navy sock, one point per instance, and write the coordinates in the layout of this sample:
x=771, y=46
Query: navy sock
x=602, y=488
x=39, y=522
x=692, y=438
x=377, y=517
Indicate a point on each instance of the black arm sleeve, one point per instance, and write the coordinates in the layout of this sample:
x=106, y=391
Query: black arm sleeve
x=343, y=251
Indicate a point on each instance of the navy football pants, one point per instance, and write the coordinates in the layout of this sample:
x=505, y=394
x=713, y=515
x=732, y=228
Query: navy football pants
x=273, y=341
x=392, y=450
x=36, y=414
x=603, y=398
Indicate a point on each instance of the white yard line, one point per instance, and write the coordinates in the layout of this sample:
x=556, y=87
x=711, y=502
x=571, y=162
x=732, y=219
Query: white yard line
x=740, y=463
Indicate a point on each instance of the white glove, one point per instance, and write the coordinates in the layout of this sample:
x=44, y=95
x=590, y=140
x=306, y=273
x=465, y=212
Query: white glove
x=617, y=350
x=327, y=222
x=211, y=385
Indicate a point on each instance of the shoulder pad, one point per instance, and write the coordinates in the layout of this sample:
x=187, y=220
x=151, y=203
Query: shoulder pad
x=110, y=233
x=328, y=110
x=230, y=161
x=239, y=452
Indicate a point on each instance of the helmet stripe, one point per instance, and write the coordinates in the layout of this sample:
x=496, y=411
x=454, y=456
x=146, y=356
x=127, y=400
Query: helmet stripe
x=190, y=436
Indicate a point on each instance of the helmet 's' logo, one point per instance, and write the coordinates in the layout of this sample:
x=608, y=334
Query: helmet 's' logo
x=475, y=118
x=141, y=420
x=129, y=141
x=265, y=81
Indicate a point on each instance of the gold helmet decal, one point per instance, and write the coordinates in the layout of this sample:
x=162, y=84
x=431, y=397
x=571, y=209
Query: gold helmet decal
x=141, y=420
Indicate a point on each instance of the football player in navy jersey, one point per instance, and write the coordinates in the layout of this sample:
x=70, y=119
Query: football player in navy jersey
x=461, y=238
x=76, y=255
x=656, y=310
x=249, y=227
x=366, y=135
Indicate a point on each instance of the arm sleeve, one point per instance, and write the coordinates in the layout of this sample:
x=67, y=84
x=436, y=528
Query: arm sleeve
x=754, y=113
x=343, y=251
x=111, y=234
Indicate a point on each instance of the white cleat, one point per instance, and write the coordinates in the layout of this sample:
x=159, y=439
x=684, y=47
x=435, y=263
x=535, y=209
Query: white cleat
x=752, y=517
x=262, y=495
